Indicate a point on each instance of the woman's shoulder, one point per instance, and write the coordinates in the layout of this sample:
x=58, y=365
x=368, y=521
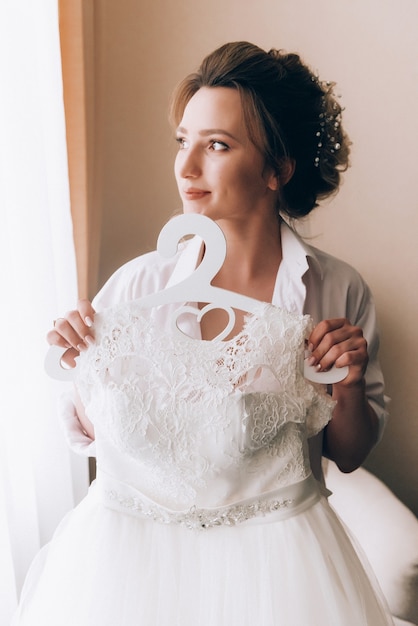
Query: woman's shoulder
x=323, y=268
x=136, y=278
x=332, y=269
x=335, y=288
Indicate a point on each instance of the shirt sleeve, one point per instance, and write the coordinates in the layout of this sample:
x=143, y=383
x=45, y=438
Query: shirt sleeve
x=77, y=440
x=362, y=313
x=335, y=289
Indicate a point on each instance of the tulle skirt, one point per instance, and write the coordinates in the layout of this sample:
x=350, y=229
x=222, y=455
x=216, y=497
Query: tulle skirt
x=106, y=568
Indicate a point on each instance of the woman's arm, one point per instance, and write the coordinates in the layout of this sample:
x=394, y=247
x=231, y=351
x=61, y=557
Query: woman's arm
x=353, y=430
x=74, y=331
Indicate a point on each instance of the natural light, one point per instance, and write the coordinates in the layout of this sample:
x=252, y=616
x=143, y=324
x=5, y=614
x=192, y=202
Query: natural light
x=39, y=479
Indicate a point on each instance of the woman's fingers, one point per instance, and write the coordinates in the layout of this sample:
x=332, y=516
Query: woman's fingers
x=74, y=330
x=69, y=331
x=337, y=342
x=86, y=312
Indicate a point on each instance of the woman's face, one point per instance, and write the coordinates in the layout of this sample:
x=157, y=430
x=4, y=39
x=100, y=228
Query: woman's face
x=220, y=173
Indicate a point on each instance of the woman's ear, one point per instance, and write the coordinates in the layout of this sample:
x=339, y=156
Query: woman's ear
x=282, y=176
x=287, y=169
x=273, y=181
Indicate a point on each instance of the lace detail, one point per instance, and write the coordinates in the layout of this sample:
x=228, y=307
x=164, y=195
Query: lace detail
x=198, y=414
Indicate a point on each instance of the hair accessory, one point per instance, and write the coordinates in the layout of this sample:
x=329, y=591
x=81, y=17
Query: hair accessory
x=329, y=121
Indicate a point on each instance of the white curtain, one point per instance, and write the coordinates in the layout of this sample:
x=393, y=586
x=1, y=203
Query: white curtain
x=40, y=480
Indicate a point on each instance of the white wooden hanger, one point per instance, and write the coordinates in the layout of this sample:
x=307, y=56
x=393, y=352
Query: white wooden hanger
x=196, y=287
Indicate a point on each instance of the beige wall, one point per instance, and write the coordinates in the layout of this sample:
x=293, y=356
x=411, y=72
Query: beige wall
x=370, y=47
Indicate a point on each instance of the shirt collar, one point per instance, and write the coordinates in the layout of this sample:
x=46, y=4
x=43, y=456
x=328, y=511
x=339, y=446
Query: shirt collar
x=295, y=255
x=296, y=251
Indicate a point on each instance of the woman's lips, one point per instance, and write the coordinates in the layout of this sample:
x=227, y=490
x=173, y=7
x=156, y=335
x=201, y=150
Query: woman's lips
x=195, y=194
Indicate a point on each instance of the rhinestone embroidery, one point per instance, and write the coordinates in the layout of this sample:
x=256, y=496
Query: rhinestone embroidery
x=200, y=519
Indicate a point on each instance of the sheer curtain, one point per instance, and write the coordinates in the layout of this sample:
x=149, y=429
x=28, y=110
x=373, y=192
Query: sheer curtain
x=40, y=480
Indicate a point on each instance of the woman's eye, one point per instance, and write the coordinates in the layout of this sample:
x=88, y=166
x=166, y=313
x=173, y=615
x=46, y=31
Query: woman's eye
x=218, y=146
x=182, y=143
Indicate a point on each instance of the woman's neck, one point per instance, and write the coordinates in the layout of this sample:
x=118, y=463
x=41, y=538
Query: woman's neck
x=252, y=260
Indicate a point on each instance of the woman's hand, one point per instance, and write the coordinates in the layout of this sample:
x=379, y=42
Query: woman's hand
x=353, y=430
x=73, y=331
x=337, y=342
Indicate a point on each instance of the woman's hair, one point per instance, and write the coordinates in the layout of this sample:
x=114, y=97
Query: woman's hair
x=289, y=114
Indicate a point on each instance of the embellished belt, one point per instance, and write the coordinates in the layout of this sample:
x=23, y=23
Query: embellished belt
x=272, y=506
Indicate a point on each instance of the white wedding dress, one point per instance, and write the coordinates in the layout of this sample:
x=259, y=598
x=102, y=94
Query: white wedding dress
x=204, y=511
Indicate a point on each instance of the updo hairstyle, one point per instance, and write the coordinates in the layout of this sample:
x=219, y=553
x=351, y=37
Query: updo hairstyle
x=289, y=114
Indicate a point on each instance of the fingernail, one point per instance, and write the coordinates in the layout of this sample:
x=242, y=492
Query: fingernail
x=89, y=340
x=318, y=367
x=81, y=347
x=88, y=321
x=311, y=360
x=310, y=347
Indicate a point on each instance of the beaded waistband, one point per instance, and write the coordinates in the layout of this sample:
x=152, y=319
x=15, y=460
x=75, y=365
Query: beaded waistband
x=269, y=507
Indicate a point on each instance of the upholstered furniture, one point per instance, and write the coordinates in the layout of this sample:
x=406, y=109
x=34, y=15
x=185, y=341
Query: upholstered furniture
x=386, y=530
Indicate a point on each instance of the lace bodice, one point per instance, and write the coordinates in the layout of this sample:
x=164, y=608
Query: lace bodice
x=190, y=422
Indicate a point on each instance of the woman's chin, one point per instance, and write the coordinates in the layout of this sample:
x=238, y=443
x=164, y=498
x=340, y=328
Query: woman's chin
x=196, y=207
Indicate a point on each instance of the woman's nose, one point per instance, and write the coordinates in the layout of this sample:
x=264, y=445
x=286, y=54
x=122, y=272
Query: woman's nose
x=189, y=163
